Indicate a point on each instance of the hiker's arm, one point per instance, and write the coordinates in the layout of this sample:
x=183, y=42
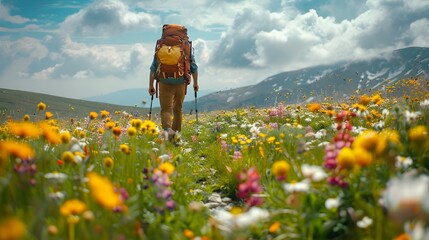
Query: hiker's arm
x=195, y=78
x=151, y=81
x=153, y=66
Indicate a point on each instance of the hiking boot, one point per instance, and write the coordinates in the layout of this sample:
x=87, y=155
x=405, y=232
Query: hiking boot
x=170, y=133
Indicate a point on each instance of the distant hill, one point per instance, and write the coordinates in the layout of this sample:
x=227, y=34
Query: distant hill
x=137, y=97
x=16, y=104
x=337, y=80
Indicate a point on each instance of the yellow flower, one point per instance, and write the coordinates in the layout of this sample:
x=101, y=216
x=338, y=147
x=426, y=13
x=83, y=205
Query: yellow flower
x=51, y=134
x=103, y=191
x=188, y=234
x=280, y=169
x=48, y=115
x=274, y=227
x=346, y=158
x=167, y=168
x=376, y=99
x=368, y=140
x=26, y=118
x=364, y=100
x=108, y=162
x=117, y=131
x=93, y=115
x=314, y=107
x=109, y=125
x=12, y=229
x=418, y=135
x=131, y=131
x=41, y=106
x=363, y=158
x=16, y=149
x=125, y=148
x=23, y=129
x=136, y=122
x=104, y=113
x=72, y=207
x=67, y=157
x=65, y=137
x=271, y=139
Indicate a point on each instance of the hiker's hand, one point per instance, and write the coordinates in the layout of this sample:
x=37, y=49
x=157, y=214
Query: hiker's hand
x=196, y=87
x=151, y=91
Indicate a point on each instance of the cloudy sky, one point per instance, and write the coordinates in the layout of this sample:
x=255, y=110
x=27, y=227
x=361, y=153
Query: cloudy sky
x=85, y=48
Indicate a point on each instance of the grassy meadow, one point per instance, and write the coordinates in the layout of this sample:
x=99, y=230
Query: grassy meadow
x=355, y=169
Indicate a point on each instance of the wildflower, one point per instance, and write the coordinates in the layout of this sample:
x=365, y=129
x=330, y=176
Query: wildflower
x=363, y=158
x=230, y=220
x=188, y=234
x=376, y=99
x=52, y=230
x=364, y=100
x=297, y=187
x=23, y=129
x=271, y=139
x=403, y=162
x=248, y=186
x=370, y=141
x=131, y=131
x=41, y=106
x=167, y=168
x=314, y=107
x=332, y=203
x=26, y=118
x=108, y=162
x=403, y=236
x=51, y=134
x=65, y=136
x=16, y=149
x=72, y=207
x=93, y=115
x=313, y=172
x=48, y=115
x=104, y=113
x=280, y=169
x=88, y=215
x=67, y=157
x=346, y=158
x=109, y=125
x=117, y=131
x=405, y=197
x=103, y=191
x=136, y=122
x=12, y=228
x=424, y=103
x=418, y=135
x=237, y=155
x=411, y=117
x=125, y=149
x=56, y=176
x=274, y=227
x=364, y=222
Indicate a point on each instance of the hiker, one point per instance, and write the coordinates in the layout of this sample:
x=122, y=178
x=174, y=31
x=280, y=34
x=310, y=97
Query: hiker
x=172, y=67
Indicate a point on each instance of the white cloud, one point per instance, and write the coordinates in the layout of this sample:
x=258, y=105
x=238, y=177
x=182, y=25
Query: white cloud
x=277, y=39
x=420, y=32
x=107, y=17
x=5, y=16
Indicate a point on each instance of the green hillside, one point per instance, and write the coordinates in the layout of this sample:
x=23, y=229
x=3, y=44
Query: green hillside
x=15, y=104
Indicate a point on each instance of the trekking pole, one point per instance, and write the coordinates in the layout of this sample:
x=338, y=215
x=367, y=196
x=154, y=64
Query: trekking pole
x=196, y=109
x=150, y=109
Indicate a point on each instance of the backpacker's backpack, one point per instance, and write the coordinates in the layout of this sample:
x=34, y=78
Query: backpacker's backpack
x=173, y=52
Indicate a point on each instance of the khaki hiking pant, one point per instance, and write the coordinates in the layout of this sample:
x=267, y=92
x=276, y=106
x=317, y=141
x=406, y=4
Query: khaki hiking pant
x=171, y=97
